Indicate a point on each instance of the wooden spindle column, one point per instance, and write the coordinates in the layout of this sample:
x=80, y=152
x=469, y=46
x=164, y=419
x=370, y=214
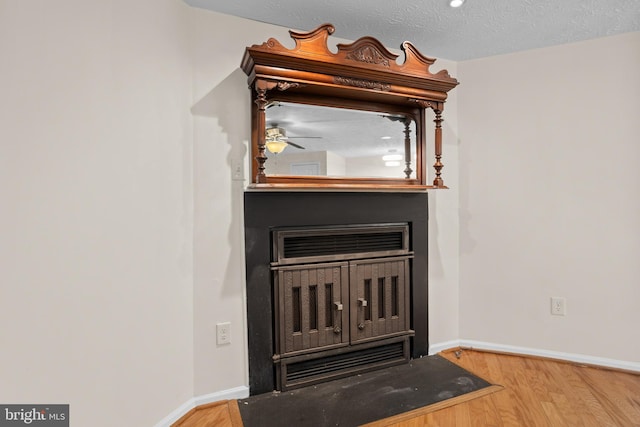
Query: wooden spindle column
x=261, y=157
x=407, y=148
x=438, y=181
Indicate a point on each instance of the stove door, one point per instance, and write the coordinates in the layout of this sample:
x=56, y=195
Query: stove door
x=313, y=307
x=379, y=300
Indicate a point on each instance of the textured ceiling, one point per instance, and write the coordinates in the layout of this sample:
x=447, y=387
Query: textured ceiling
x=477, y=29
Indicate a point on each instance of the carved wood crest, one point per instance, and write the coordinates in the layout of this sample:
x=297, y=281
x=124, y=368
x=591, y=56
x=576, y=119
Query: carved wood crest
x=363, y=60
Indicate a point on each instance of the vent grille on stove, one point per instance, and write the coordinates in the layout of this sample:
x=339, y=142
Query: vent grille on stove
x=307, y=371
x=341, y=244
x=321, y=244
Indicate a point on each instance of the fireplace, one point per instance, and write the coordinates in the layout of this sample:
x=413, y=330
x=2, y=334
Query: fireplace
x=341, y=300
x=336, y=284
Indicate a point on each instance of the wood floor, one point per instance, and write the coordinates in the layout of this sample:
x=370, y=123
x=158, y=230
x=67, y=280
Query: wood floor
x=537, y=392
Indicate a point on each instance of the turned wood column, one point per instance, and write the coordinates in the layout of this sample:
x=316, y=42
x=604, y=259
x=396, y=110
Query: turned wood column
x=261, y=157
x=407, y=148
x=438, y=182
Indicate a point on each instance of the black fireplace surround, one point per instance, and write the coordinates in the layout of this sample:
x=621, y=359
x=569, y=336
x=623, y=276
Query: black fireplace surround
x=266, y=210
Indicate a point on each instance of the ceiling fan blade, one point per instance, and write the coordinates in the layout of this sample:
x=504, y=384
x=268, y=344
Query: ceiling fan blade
x=307, y=137
x=296, y=145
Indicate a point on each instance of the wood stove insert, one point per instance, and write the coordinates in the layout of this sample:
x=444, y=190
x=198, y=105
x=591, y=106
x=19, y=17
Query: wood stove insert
x=342, y=298
x=268, y=212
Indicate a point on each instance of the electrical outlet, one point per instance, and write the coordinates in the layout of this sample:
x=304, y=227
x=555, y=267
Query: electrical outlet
x=237, y=171
x=558, y=306
x=223, y=333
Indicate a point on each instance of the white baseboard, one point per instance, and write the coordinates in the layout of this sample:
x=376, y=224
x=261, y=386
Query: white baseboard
x=232, y=393
x=437, y=348
x=571, y=357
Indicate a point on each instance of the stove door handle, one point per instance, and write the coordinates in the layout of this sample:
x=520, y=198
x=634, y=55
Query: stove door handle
x=363, y=303
x=338, y=306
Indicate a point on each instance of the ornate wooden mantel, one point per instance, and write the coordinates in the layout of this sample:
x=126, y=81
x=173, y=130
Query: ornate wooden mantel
x=362, y=75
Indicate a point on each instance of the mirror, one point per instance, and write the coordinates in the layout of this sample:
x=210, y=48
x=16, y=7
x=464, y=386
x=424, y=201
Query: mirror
x=314, y=140
x=324, y=119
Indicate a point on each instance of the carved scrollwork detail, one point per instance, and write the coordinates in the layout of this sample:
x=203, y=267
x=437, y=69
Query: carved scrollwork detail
x=425, y=104
x=370, y=55
x=286, y=85
x=365, y=84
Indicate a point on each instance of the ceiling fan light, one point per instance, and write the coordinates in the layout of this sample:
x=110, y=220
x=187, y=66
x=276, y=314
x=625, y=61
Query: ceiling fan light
x=456, y=3
x=276, y=146
x=275, y=133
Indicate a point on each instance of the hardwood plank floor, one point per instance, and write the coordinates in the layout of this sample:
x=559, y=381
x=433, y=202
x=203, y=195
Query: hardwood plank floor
x=537, y=392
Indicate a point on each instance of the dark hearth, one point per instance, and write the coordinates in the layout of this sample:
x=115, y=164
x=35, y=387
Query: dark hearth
x=362, y=398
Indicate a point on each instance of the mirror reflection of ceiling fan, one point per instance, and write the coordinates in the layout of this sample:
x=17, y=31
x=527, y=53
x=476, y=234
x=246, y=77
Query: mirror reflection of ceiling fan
x=276, y=139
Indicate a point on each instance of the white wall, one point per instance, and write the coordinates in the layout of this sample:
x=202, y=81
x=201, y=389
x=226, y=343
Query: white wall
x=550, y=197
x=222, y=115
x=280, y=164
x=443, y=219
x=336, y=164
x=373, y=166
x=96, y=214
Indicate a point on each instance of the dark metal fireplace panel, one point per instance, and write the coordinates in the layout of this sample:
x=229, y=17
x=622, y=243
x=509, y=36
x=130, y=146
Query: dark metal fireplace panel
x=266, y=211
x=341, y=296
